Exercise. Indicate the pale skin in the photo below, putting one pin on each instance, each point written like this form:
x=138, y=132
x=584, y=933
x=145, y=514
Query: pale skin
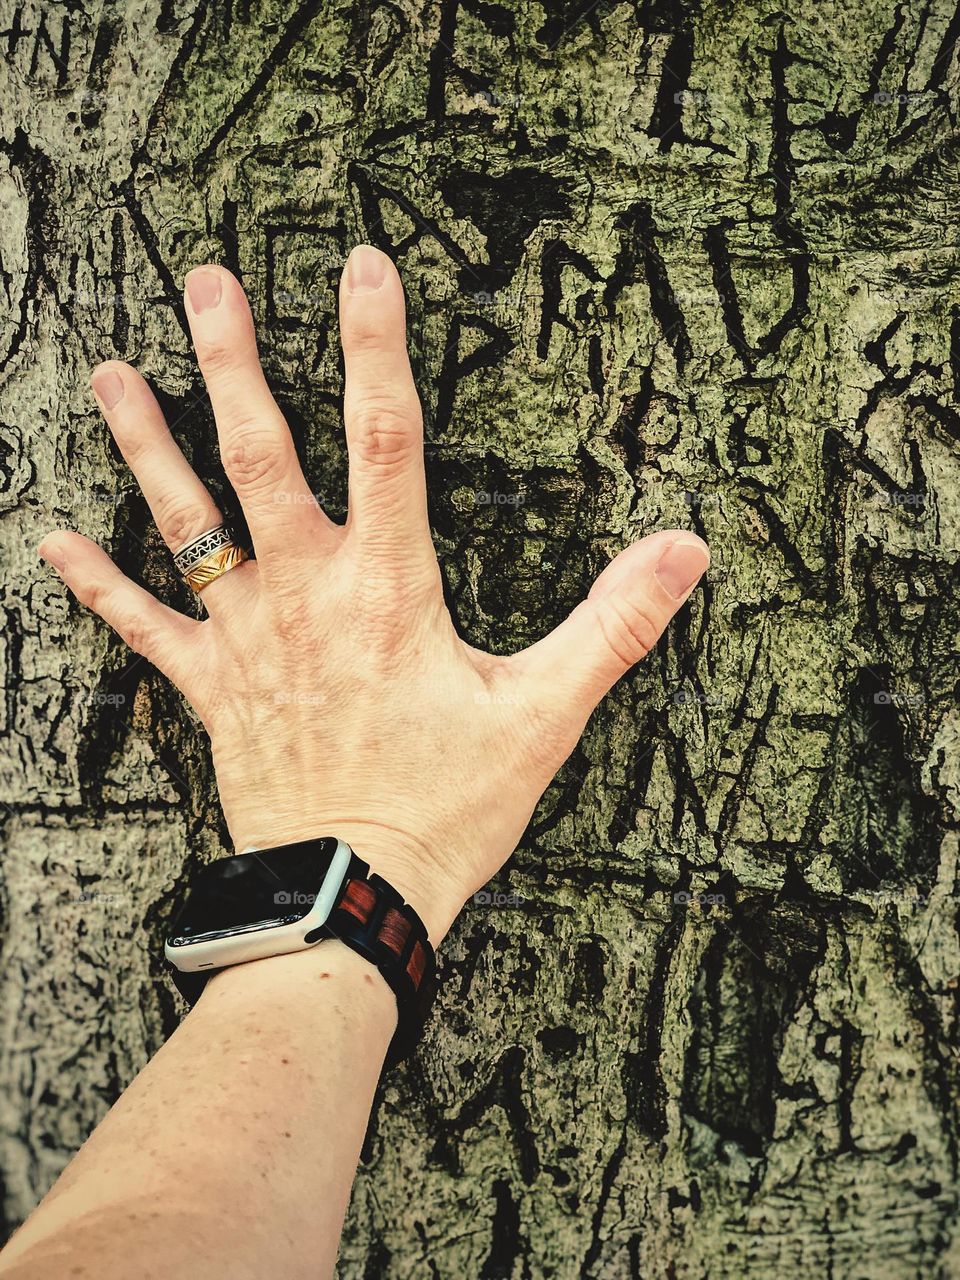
x=339, y=699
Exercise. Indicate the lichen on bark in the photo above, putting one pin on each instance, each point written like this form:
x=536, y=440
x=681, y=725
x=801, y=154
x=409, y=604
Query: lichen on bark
x=686, y=265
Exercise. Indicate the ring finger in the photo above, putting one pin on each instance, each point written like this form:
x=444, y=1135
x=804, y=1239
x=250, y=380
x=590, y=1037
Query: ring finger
x=181, y=506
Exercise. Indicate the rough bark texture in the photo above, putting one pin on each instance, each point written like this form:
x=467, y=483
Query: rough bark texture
x=666, y=264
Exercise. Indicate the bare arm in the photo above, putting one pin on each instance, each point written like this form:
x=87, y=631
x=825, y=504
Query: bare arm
x=232, y=1153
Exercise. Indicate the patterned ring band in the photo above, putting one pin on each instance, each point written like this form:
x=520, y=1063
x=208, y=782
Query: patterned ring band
x=214, y=566
x=196, y=550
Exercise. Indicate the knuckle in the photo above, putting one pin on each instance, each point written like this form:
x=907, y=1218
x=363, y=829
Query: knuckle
x=393, y=618
x=135, y=445
x=385, y=434
x=130, y=627
x=133, y=631
x=216, y=359
x=364, y=332
x=95, y=596
x=180, y=520
x=291, y=624
x=254, y=456
x=629, y=628
x=130, y=624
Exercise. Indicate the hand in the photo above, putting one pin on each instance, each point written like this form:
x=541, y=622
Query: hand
x=338, y=696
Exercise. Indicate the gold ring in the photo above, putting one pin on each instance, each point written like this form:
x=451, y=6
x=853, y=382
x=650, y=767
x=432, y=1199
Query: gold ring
x=214, y=566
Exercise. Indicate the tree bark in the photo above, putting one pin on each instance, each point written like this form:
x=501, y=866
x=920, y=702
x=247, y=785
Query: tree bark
x=666, y=265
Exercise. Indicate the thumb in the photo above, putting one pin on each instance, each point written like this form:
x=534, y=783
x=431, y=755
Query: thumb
x=626, y=612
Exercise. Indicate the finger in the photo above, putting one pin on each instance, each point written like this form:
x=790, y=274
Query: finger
x=163, y=636
x=626, y=612
x=181, y=506
x=256, y=448
x=384, y=425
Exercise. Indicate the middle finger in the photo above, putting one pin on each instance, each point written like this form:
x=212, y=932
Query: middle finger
x=256, y=448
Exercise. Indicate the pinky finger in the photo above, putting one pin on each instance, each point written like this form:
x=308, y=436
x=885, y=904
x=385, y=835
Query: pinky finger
x=163, y=636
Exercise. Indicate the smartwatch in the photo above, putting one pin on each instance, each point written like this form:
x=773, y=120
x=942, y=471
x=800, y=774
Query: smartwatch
x=269, y=902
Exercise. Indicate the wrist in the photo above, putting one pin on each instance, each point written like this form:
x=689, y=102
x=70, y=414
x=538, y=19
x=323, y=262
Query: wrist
x=281, y=978
x=390, y=853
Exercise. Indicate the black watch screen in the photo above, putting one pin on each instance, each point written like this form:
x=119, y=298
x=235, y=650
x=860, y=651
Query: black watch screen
x=253, y=890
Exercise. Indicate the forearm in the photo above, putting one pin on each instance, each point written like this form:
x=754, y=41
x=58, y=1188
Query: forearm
x=237, y=1144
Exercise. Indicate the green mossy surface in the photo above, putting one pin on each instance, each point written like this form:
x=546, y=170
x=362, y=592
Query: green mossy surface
x=666, y=266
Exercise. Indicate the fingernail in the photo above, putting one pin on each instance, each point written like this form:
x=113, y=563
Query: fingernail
x=366, y=269
x=203, y=289
x=53, y=555
x=682, y=565
x=107, y=387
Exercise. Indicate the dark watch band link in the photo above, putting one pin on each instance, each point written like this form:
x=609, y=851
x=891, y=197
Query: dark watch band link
x=372, y=919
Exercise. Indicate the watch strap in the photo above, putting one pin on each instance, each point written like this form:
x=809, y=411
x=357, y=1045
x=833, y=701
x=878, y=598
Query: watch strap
x=372, y=918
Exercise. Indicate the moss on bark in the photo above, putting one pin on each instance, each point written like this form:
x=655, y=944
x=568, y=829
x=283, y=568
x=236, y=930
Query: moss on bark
x=680, y=264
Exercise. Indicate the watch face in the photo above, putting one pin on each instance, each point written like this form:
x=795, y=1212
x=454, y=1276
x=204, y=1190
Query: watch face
x=253, y=890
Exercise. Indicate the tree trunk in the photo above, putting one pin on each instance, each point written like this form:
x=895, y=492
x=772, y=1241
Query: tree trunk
x=666, y=265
